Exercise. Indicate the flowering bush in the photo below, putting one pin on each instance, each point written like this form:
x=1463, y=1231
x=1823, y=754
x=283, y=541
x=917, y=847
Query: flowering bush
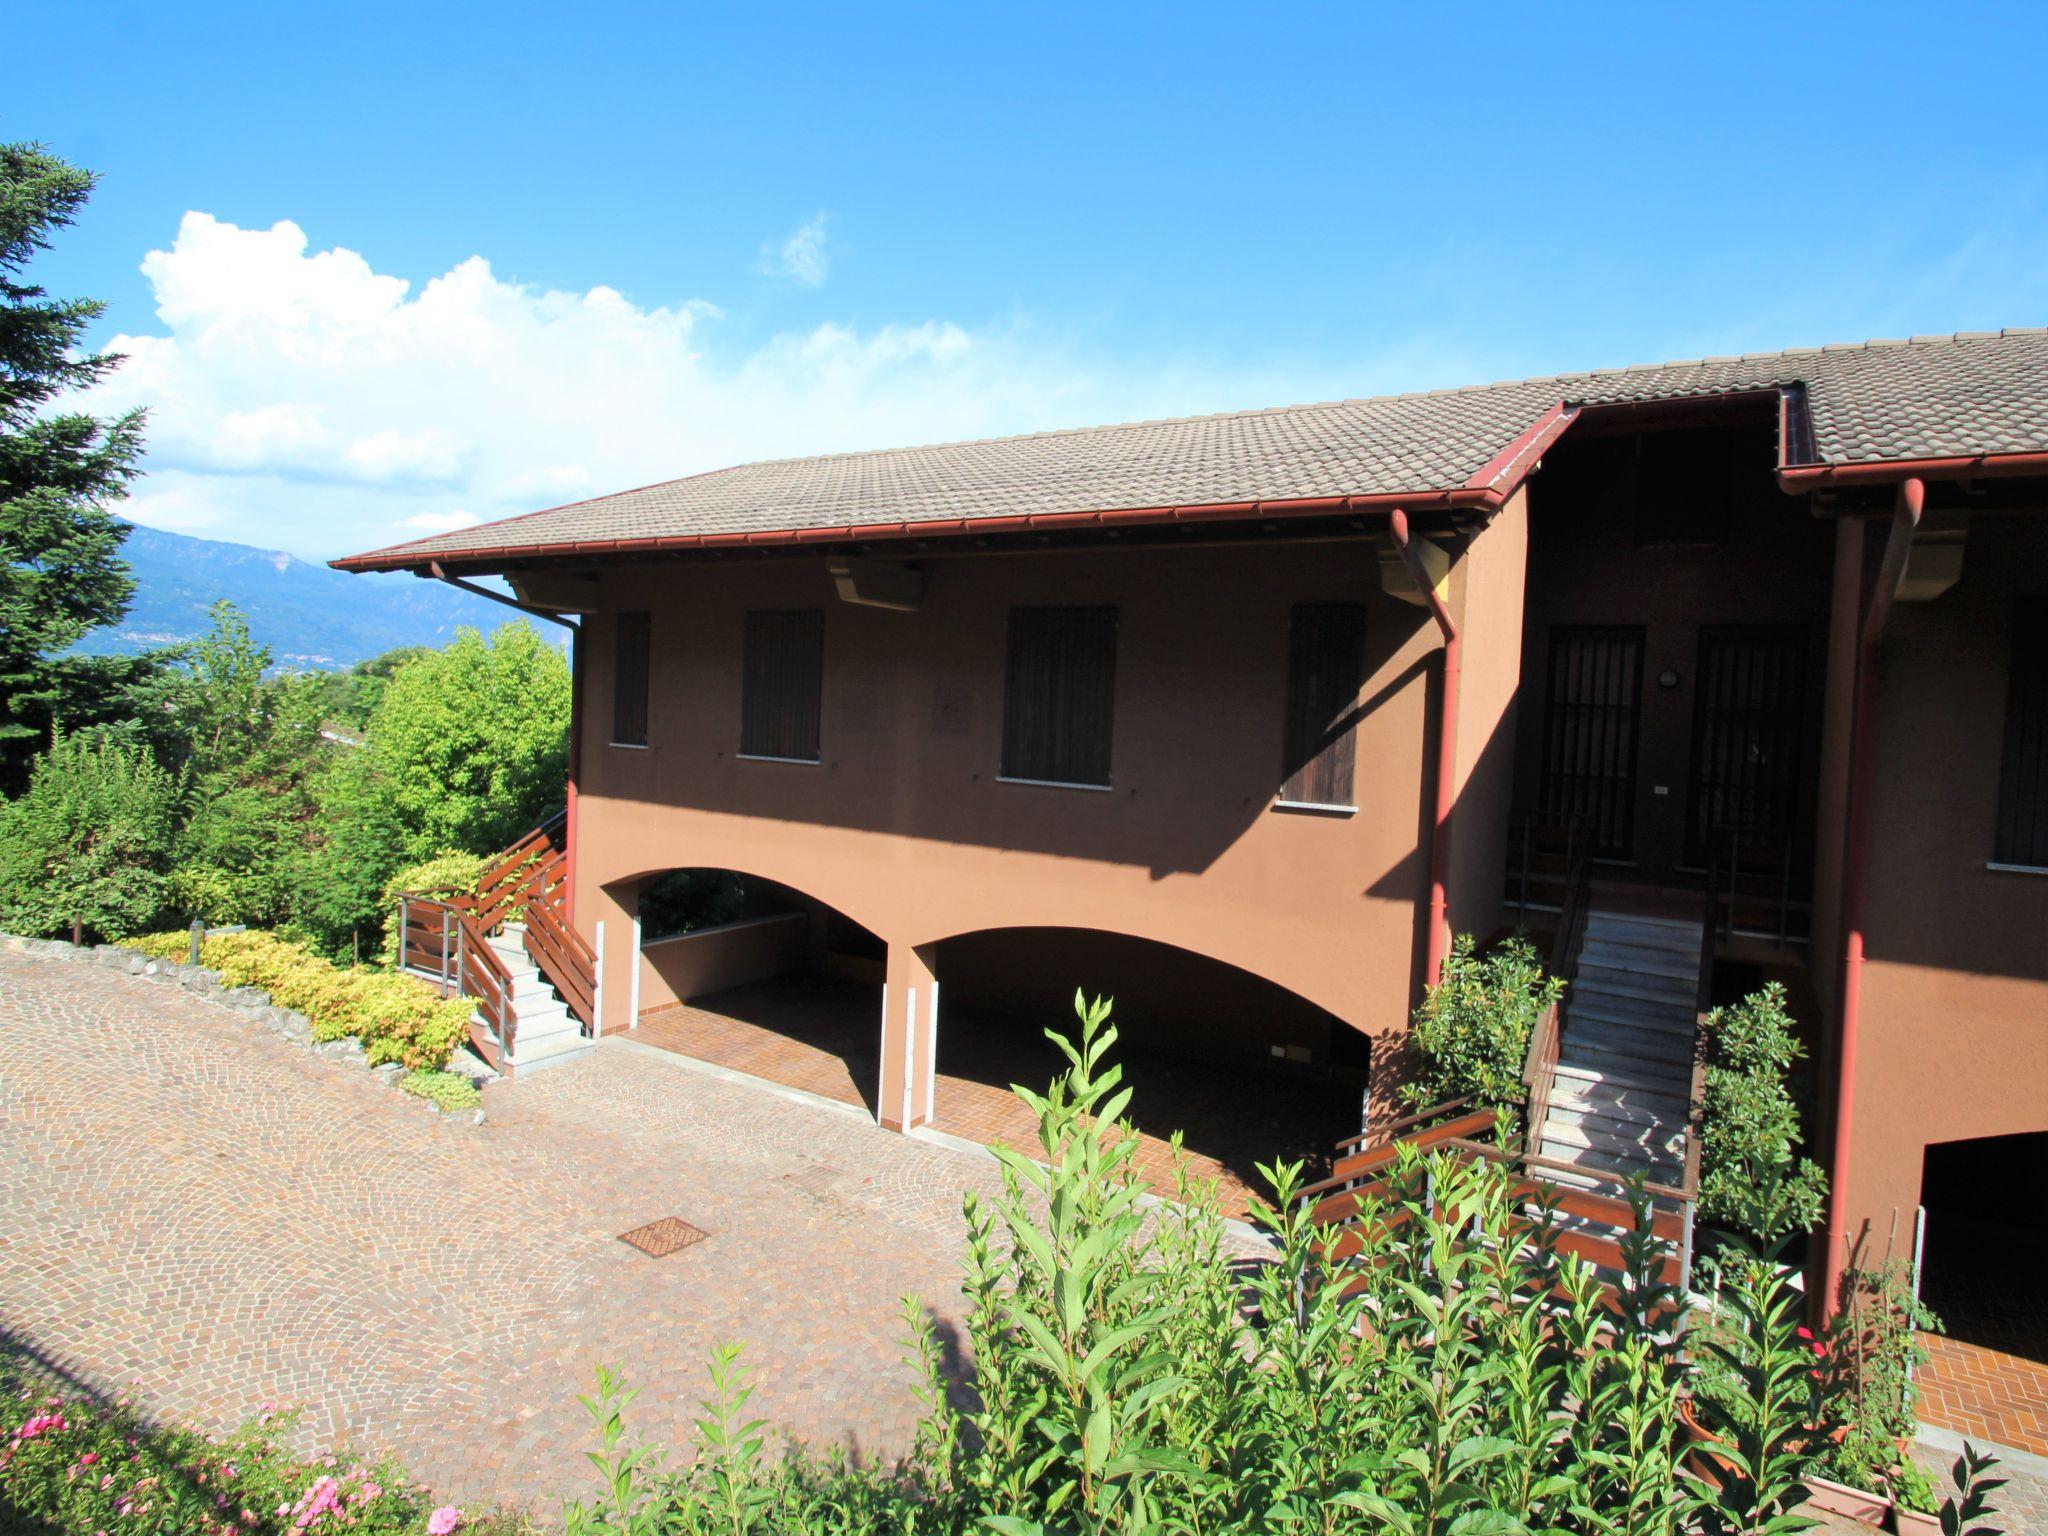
x=72, y=1466
x=398, y=1018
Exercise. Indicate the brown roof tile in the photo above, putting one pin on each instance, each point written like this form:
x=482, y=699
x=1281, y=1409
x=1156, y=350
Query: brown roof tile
x=1931, y=397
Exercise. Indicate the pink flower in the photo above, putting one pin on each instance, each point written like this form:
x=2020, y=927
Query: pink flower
x=88, y=1458
x=443, y=1520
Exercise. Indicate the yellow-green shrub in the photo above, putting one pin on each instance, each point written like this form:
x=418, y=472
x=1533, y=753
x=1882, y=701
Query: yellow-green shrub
x=397, y=1018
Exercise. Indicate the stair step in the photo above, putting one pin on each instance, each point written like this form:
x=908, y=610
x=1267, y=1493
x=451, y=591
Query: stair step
x=528, y=1054
x=1671, y=976
x=1655, y=960
x=1635, y=1106
x=1628, y=1040
x=1647, y=932
x=1598, y=1010
x=1618, y=987
x=1614, y=1115
x=1663, y=1147
x=530, y=984
x=1610, y=1065
x=1574, y=1079
x=1605, y=1162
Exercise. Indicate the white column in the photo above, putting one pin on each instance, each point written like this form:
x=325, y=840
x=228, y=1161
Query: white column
x=597, y=987
x=633, y=983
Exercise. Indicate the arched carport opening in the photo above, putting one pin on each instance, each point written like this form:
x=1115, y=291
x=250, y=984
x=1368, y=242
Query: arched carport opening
x=1245, y=1069
x=1984, y=1245
x=756, y=977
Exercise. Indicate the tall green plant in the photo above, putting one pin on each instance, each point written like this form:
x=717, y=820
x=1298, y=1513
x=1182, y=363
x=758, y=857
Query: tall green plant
x=1751, y=1175
x=1440, y=1366
x=1473, y=1026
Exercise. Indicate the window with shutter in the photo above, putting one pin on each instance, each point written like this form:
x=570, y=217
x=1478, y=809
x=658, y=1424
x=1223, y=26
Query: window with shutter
x=782, y=675
x=2022, y=835
x=629, y=681
x=1325, y=670
x=1059, y=695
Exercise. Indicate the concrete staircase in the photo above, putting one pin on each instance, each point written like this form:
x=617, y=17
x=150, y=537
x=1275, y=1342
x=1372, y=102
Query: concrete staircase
x=547, y=1033
x=1618, y=1104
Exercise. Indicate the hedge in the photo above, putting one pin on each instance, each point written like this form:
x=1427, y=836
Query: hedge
x=397, y=1018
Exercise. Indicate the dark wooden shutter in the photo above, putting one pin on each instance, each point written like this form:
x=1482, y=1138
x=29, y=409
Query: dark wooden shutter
x=629, y=680
x=1325, y=669
x=1749, y=707
x=2023, y=770
x=781, y=677
x=1059, y=695
x=1589, y=732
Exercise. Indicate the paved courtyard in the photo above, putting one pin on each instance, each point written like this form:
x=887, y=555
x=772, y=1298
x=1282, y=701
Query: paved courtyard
x=190, y=1202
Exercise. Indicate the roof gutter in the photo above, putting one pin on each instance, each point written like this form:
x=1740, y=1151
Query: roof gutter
x=1484, y=494
x=1439, y=943
x=1796, y=479
x=1855, y=859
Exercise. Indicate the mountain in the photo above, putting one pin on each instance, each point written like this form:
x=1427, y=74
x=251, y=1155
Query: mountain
x=309, y=616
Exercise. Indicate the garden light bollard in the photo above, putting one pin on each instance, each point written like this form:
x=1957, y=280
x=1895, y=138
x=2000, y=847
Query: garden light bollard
x=198, y=937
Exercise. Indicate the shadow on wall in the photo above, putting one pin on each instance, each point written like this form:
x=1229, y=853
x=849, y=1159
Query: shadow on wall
x=913, y=706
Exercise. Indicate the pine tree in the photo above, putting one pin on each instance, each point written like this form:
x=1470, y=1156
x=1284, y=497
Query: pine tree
x=61, y=573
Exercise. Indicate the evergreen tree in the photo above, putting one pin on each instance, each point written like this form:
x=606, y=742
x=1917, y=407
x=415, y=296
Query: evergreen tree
x=61, y=574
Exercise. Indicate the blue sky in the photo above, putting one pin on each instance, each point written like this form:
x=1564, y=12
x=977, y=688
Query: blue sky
x=637, y=242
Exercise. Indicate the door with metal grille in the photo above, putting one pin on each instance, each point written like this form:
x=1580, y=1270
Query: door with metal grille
x=1749, y=710
x=1590, y=732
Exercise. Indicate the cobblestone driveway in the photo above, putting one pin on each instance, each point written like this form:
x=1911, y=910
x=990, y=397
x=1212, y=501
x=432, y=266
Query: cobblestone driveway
x=188, y=1201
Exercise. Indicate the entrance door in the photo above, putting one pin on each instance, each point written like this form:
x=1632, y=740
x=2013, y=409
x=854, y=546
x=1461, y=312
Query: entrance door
x=1590, y=732
x=1749, y=710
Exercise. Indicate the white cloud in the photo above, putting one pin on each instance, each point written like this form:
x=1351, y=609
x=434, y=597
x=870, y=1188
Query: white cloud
x=441, y=522
x=802, y=257
x=300, y=400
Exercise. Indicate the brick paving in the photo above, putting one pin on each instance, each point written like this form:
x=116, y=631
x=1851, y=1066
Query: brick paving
x=820, y=1034
x=189, y=1202
x=1987, y=1375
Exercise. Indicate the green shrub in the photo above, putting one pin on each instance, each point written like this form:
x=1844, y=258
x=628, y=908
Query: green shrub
x=445, y=874
x=1128, y=1376
x=88, y=842
x=1870, y=1352
x=73, y=1466
x=1750, y=1174
x=1472, y=1030
x=451, y=1090
x=397, y=1018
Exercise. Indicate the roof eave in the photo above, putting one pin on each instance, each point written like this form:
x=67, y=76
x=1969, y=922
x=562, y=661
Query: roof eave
x=1469, y=498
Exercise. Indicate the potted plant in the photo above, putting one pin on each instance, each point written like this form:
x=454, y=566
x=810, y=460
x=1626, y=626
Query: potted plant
x=1868, y=1360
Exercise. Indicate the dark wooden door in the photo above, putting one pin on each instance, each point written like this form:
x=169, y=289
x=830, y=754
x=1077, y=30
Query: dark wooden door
x=1748, y=723
x=1591, y=730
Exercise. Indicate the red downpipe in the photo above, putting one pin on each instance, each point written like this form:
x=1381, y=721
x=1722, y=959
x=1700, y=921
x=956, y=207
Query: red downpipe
x=575, y=770
x=1446, y=753
x=1855, y=859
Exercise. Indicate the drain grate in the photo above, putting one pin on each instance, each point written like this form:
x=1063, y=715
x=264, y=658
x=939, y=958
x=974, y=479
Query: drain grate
x=659, y=1239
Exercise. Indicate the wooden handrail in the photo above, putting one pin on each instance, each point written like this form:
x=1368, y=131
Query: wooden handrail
x=452, y=945
x=1395, y=1127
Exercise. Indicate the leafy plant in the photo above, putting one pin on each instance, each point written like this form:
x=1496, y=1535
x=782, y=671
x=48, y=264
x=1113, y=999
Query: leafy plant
x=1972, y=1498
x=1472, y=1029
x=1751, y=1176
x=89, y=842
x=397, y=1018
x=1872, y=1349
x=451, y=1090
x=1436, y=1367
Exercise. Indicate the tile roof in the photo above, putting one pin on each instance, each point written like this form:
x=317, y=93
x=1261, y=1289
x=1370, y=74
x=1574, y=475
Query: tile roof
x=1929, y=397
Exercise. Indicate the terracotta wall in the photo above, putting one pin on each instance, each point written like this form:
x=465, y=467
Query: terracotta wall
x=730, y=955
x=904, y=828
x=1954, y=1038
